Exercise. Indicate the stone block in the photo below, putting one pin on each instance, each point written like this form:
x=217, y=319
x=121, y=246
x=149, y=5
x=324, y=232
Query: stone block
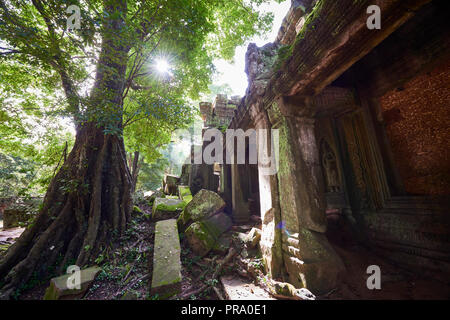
x=204, y=235
x=204, y=204
x=238, y=289
x=58, y=289
x=157, y=194
x=21, y=213
x=166, y=280
x=170, y=184
x=185, y=194
x=253, y=237
x=167, y=208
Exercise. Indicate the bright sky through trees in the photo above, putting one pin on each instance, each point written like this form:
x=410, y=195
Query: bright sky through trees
x=162, y=66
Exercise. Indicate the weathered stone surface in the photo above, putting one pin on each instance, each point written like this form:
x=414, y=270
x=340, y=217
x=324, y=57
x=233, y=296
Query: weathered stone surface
x=285, y=289
x=238, y=289
x=167, y=208
x=185, y=172
x=199, y=239
x=204, y=204
x=58, y=289
x=253, y=237
x=223, y=244
x=218, y=224
x=204, y=235
x=166, y=280
x=170, y=184
x=10, y=234
x=202, y=177
x=154, y=195
x=185, y=193
x=312, y=263
x=20, y=213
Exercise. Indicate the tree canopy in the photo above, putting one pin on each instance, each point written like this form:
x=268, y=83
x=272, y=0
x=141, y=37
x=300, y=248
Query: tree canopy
x=47, y=71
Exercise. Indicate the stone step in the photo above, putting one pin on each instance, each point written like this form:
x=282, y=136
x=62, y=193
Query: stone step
x=166, y=280
x=59, y=290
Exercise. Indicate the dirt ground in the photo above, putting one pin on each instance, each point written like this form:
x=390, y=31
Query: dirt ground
x=127, y=268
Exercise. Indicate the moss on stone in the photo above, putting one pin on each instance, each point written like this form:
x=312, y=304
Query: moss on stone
x=171, y=207
x=136, y=209
x=185, y=193
x=285, y=52
x=167, y=208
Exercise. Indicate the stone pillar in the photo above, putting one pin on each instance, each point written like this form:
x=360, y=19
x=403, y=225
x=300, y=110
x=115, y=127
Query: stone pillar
x=241, y=213
x=227, y=187
x=309, y=259
x=270, y=242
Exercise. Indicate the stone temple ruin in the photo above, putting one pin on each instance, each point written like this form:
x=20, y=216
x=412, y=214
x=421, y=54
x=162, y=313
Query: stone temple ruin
x=362, y=116
x=363, y=145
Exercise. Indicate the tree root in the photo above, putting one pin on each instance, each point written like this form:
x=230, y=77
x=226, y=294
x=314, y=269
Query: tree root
x=231, y=253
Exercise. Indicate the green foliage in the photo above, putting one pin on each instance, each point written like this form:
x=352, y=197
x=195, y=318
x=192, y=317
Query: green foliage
x=47, y=73
x=151, y=175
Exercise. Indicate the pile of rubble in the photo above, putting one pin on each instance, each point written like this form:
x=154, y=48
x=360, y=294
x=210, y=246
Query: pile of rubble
x=209, y=232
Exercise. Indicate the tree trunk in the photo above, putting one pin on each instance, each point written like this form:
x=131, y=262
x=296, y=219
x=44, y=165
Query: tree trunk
x=135, y=167
x=88, y=198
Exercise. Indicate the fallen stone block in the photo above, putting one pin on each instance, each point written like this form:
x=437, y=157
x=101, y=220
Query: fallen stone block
x=204, y=204
x=199, y=239
x=166, y=280
x=58, y=289
x=253, y=238
x=167, y=208
x=170, y=184
x=157, y=194
x=185, y=170
x=284, y=290
x=204, y=235
x=20, y=213
x=223, y=244
x=185, y=193
x=238, y=289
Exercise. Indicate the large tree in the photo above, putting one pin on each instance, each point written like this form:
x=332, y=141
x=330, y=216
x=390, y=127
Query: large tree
x=105, y=72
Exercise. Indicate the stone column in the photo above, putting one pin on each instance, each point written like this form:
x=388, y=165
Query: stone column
x=240, y=209
x=309, y=259
x=270, y=242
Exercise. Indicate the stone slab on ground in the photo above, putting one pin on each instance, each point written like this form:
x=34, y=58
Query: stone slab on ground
x=11, y=234
x=166, y=279
x=238, y=289
x=164, y=208
x=58, y=289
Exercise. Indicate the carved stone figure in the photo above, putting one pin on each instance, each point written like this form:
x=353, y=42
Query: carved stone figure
x=329, y=167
